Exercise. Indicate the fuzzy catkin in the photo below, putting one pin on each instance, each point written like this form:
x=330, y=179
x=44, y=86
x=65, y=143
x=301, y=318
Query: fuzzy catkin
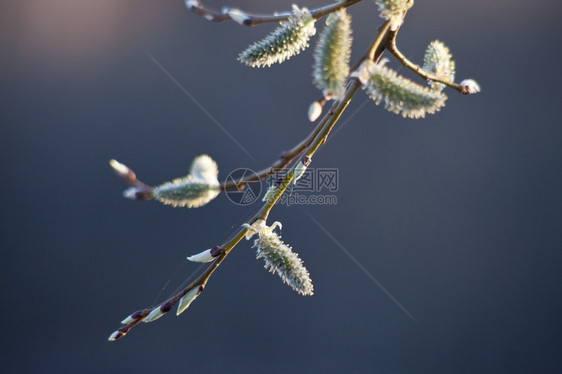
x=331, y=55
x=288, y=40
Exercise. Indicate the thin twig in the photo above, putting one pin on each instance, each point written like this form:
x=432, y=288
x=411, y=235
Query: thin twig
x=284, y=160
x=393, y=49
x=256, y=19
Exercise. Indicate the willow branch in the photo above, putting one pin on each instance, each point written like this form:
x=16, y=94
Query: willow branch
x=318, y=137
x=327, y=124
x=256, y=19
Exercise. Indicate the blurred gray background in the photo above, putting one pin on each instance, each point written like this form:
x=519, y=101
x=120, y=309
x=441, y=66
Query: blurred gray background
x=458, y=215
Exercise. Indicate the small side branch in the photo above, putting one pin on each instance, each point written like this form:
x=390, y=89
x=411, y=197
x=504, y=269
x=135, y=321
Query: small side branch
x=281, y=164
x=256, y=19
x=142, y=191
x=393, y=49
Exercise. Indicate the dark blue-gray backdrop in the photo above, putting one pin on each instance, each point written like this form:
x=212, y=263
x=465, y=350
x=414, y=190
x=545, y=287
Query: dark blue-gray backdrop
x=458, y=215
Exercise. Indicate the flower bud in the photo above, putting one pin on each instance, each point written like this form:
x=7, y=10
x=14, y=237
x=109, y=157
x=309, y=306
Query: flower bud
x=208, y=255
x=154, y=315
x=115, y=335
x=238, y=16
x=131, y=193
x=314, y=111
x=120, y=169
x=188, y=298
x=192, y=4
x=204, y=256
x=470, y=86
